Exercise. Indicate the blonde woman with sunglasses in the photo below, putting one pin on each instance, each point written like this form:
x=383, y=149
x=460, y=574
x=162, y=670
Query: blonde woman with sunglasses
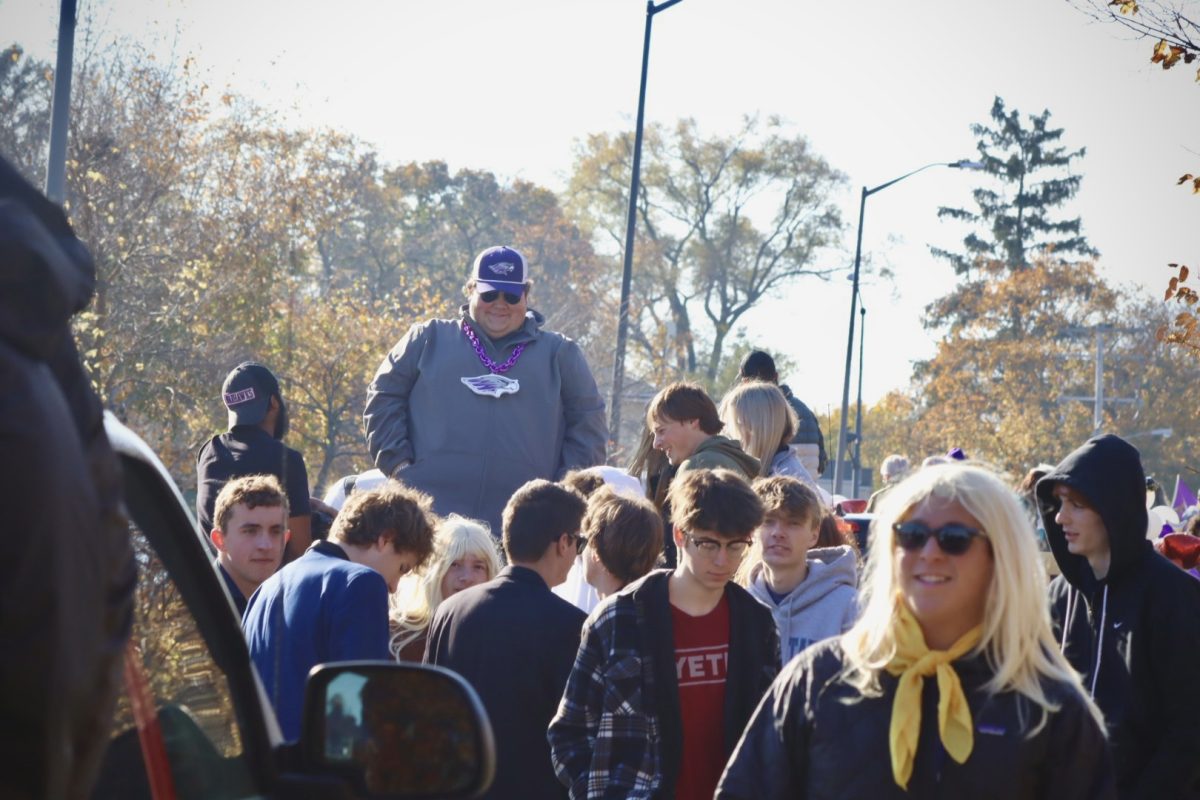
x=949, y=685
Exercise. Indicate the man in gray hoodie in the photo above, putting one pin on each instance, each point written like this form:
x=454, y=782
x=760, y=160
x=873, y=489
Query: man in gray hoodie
x=811, y=592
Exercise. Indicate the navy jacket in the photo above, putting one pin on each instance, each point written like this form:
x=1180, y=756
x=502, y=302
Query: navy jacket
x=514, y=641
x=322, y=607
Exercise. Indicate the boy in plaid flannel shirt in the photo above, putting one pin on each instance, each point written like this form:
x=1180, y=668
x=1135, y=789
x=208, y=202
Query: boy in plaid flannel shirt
x=670, y=669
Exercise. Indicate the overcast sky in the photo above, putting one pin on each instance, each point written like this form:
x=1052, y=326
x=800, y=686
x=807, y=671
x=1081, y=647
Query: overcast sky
x=879, y=87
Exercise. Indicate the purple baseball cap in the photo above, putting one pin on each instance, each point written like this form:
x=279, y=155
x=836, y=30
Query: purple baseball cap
x=500, y=269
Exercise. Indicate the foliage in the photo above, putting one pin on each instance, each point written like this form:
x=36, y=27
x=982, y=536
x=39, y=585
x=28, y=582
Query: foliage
x=1177, y=32
x=219, y=235
x=25, y=89
x=1011, y=381
x=1026, y=159
x=721, y=221
x=1182, y=330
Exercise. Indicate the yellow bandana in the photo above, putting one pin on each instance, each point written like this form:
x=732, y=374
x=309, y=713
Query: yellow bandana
x=914, y=662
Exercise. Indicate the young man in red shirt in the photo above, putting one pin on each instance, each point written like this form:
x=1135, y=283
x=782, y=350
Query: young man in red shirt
x=671, y=667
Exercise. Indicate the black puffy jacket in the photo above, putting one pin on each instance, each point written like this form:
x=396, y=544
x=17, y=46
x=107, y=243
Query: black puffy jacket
x=1135, y=635
x=66, y=566
x=814, y=737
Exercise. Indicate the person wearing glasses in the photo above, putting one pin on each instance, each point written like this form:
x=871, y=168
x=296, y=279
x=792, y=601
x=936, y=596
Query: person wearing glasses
x=671, y=667
x=949, y=685
x=469, y=409
x=514, y=640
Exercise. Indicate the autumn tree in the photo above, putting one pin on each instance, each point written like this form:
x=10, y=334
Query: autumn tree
x=1014, y=222
x=722, y=222
x=25, y=90
x=1016, y=347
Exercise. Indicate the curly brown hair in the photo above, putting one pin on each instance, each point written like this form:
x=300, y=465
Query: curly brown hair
x=392, y=509
x=251, y=491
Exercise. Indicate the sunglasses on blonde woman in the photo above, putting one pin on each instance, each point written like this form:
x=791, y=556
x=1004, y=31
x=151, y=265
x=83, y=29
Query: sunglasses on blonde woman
x=953, y=539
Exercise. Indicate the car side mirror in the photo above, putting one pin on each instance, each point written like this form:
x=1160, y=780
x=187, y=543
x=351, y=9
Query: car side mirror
x=398, y=730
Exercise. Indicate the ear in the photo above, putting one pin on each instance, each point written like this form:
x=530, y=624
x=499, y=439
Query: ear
x=816, y=534
x=273, y=403
x=217, y=538
x=677, y=535
x=287, y=535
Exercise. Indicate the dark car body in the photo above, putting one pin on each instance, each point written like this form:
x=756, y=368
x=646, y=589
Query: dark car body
x=193, y=720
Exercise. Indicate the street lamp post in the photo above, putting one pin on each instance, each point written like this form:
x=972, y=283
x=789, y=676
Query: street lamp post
x=60, y=105
x=618, y=381
x=858, y=416
x=862, y=206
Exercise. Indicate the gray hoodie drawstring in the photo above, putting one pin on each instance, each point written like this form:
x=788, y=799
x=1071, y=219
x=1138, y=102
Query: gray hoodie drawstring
x=1072, y=595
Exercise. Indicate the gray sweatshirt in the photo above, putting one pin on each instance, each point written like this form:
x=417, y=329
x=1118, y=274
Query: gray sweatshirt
x=825, y=603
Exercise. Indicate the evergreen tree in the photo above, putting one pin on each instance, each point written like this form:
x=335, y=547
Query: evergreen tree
x=1016, y=220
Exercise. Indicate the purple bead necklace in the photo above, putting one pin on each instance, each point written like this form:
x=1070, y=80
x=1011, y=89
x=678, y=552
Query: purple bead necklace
x=483, y=356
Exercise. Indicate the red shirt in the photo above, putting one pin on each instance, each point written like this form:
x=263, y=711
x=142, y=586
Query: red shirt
x=701, y=664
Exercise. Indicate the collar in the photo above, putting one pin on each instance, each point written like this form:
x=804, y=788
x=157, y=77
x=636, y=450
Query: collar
x=328, y=548
x=523, y=575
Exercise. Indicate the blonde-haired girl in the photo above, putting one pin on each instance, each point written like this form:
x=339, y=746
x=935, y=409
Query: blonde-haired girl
x=950, y=684
x=464, y=554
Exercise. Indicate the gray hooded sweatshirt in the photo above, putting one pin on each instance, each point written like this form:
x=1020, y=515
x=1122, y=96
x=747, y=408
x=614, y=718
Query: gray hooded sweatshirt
x=825, y=603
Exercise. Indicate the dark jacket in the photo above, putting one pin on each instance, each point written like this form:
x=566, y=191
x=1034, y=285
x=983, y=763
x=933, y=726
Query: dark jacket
x=514, y=641
x=617, y=733
x=814, y=737
x=321, y=607
x=67, y=573
x=248, y=450
x=808, y=429
x=1134, y=634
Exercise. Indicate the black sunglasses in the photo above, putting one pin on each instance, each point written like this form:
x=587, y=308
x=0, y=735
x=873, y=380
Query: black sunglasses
x=509, y=297
x=954, y=539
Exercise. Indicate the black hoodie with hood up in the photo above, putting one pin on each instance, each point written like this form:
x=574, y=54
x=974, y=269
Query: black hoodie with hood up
x=1135, y=633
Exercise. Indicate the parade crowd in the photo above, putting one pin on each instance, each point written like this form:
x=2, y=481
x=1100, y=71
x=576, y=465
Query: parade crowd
x=701, y=623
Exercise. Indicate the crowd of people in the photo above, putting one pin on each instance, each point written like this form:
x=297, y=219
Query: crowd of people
x=701, y=623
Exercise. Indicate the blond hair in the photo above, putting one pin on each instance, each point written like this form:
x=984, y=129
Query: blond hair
x=411, y=611
x=758, y=415
x=1017, y=641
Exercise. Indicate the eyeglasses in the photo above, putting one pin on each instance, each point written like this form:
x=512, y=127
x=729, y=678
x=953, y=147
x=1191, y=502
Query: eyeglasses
x=954, y=539
x=509, y=297
x=710, y=547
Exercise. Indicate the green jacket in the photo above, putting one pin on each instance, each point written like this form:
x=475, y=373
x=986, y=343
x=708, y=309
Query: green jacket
x=721, y=452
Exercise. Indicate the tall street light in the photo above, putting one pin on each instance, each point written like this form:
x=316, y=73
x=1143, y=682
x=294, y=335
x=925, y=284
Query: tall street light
x=858, y=415
x=618, y=381
x=60, y=105
x=862, y=206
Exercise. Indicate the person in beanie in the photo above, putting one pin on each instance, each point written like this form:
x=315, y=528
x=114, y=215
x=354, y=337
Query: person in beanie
x=258, y=421
x=470, y=409
x=1126, y=617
